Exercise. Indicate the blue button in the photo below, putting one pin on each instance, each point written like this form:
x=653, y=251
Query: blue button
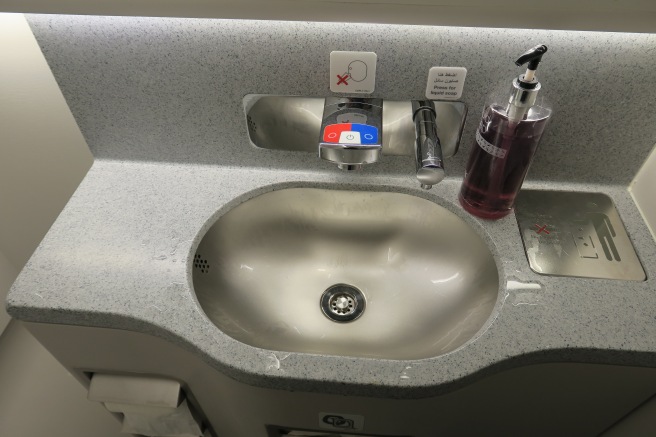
x=368, y=134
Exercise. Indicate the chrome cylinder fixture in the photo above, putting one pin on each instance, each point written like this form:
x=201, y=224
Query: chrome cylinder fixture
x=428, y=149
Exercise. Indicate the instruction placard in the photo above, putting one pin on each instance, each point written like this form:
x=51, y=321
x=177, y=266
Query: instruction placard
x=445, y=83
x=353, y=72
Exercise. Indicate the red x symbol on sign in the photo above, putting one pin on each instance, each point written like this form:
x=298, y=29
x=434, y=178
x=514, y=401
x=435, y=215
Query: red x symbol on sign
x=342, y=79
x=542, y=229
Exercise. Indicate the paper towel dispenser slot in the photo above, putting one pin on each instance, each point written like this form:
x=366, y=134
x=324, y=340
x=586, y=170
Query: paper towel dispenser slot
x=150, y=406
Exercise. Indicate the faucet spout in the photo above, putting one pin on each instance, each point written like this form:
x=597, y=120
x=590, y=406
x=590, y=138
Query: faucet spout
x=428, y=149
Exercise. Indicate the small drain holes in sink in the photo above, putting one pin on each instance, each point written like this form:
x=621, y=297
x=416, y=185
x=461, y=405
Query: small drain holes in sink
x=201, y=264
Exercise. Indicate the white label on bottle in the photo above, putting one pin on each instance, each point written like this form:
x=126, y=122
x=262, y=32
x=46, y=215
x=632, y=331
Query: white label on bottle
x=489, y=147
x=445, y=83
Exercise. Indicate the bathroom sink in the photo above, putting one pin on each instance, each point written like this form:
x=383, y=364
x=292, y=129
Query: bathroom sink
x=362, y=274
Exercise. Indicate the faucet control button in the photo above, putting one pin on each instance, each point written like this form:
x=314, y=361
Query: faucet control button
x=368, y=133
x=350, y=137
x=350, y=133
x=332, y=133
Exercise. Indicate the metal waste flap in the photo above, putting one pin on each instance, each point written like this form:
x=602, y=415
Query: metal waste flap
x=575, y=234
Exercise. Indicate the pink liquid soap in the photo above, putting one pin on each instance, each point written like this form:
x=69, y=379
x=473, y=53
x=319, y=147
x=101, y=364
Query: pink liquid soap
x=501, y=156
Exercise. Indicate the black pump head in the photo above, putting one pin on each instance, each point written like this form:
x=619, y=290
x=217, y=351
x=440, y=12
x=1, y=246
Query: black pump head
x=533, y=57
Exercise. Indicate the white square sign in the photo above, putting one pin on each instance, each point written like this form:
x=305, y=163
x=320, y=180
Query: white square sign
x=445, y=83
x=353, y=72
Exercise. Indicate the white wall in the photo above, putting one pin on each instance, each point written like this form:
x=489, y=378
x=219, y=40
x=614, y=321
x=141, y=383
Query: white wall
x=43, y=156
x=643, y=190
x=604, y=15
x=8, y=273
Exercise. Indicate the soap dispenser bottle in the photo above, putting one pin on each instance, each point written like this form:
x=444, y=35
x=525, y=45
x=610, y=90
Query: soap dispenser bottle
x=506, y=140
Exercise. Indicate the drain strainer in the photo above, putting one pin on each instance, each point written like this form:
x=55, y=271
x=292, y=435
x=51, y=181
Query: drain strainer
x=342, y=303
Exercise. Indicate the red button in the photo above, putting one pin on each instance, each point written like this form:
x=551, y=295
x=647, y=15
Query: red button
x=332, y=132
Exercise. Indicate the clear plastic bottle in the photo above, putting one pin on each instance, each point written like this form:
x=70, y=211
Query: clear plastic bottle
x=506, y=140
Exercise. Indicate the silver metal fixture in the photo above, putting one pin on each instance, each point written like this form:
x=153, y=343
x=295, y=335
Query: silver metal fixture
x=428, y=149
x=575, y=234
x=295, y=124
x=342, y=303
x=349, y=149
x=430, y=285
x=525, y=88
x=521, y=99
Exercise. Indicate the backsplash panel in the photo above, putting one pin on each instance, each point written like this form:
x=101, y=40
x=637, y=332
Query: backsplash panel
x=167, y=89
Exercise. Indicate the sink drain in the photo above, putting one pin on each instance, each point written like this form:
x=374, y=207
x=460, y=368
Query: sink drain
x=342, y=303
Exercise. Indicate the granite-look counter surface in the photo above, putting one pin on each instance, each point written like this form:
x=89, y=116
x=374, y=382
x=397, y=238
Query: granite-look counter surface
x=120, y=256
x=171, y=89
x=160, y=103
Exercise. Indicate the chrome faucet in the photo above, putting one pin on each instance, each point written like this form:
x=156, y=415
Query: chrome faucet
x=351, y=131
x=428, y=148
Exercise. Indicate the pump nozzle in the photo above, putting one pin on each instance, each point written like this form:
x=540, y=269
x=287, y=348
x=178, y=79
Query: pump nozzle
x=525, y=88
x=533, y=57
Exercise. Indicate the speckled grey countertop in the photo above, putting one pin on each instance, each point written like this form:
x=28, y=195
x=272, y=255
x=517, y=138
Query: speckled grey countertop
x=120, y=256
x=159, y=102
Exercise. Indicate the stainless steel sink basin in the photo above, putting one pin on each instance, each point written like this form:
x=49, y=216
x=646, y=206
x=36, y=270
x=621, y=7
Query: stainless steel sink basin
x=427, y=281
